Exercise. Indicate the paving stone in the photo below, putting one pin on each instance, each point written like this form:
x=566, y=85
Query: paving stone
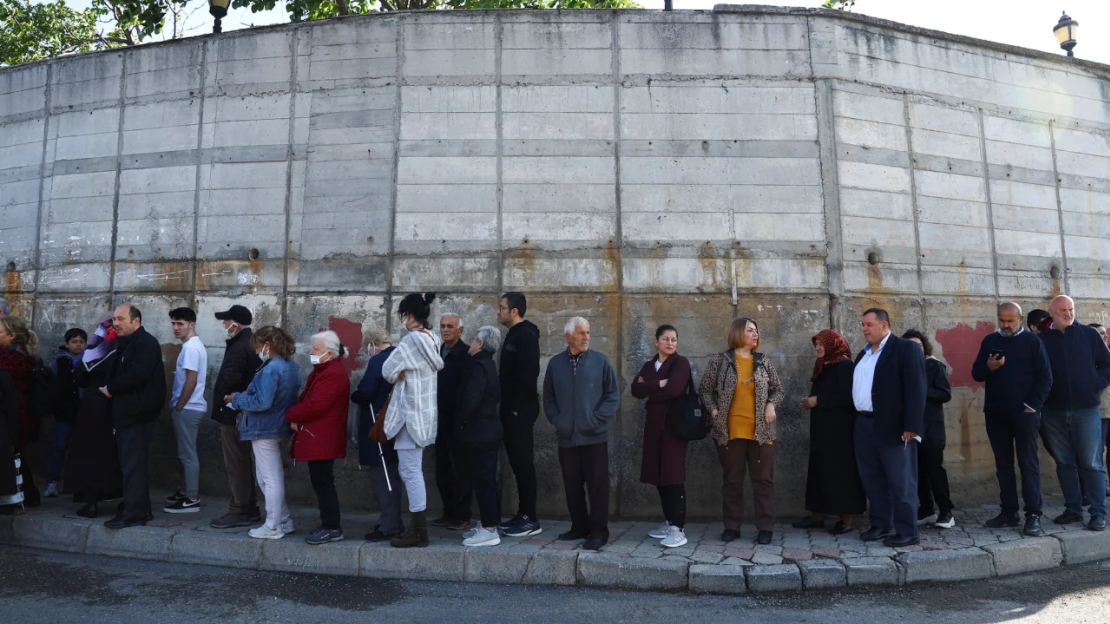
x=1084, y=546
x=710, y=548
x=621, y=548
x=822, y=574
x=742, y=553
x=552, y=567
x=870, y=571
x=563, y=545
x=736, y=561
x=491, y=565
x=607, y=570
x=829, y=553
x=681, y=551
x=768, y=548
x=946, y=565
x=702, y=556
x=796, y=554
x=1026, y=555
x=50, y=533
x=291, y=554
x=231, y=550
x=762, y=558
x=774, y=578
x=717, y=579
x=138, y=542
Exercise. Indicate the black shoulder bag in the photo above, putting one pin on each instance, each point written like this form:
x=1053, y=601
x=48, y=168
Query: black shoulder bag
x=687, y=420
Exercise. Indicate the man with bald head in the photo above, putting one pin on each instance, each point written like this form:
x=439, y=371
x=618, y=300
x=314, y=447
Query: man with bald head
x=1071, y=425
x=1013, y=364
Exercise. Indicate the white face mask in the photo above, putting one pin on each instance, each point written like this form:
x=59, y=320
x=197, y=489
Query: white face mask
x=315, y=359
x=265, y=355
x=232, y=330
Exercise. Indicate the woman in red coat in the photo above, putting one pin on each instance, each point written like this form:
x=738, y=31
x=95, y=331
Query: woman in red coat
x=662, y=380
x=319, y=422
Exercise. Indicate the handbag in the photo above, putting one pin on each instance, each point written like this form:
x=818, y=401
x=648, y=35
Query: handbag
x=687, y=420
x=377, y=431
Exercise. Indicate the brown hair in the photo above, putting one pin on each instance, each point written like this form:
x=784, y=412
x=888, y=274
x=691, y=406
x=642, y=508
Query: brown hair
x=23, y=339
x=282, y=344
x=737, y=336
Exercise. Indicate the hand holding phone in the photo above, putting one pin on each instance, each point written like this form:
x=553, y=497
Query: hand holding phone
x=995, y=360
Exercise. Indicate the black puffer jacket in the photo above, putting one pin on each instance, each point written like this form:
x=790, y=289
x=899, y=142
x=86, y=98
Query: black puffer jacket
x=236, y=373
x=476, y=418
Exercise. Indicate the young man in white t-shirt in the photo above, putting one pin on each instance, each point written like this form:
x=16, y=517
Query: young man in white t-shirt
x=188, y=408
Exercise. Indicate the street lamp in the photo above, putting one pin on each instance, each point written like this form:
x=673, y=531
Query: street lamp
x=218, y=9
x=1065, y=32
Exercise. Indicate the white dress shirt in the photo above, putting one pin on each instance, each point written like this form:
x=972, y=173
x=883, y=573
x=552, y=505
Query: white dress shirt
x=864, y=374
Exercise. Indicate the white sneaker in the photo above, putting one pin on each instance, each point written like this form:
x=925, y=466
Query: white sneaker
x=660, y=531
x=287, y=527
x=675, y=537
x=483, y=537
x=265, y=532
x=51, y=490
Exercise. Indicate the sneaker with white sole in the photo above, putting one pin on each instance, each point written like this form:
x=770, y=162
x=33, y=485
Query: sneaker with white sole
x=483, y=537
x=287, y=527
x=945, y=521
x=185, y=505
x=176, y=496
x=265, y=532
x=927, y=519
x=660, y=531
x=675, y=537
x=469, y=533
x=51, y=490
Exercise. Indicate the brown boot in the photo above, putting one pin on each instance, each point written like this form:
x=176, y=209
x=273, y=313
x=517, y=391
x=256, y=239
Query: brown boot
x=416, y=535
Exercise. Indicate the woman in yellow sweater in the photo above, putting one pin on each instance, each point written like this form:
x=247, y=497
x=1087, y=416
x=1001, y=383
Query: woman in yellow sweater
x=741, y=389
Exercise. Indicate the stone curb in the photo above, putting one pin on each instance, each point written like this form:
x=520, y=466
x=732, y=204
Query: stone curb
x=525, y=564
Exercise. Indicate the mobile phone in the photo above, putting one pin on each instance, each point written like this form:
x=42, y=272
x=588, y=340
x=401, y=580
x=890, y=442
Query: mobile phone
x=996, y=353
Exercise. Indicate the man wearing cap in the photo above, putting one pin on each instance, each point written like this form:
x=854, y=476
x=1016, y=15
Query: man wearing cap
x=236, y=372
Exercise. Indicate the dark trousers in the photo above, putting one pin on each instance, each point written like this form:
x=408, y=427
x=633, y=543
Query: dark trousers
x=387, y=489
x=239, y=464
x=133, y=447
x=452, y=476
x=673, y=498
x=1008, y=433
x=323, y=483
x=932, y=481
x=31, y=495
x=62, y=432
x=748, y=456
x=520, y=449
x=1106, y=447
x=888, y=469
x=482, y=466
x=587, y=468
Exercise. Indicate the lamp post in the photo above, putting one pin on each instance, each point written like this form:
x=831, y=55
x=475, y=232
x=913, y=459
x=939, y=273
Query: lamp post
x=1065, y=31
x=218, y=9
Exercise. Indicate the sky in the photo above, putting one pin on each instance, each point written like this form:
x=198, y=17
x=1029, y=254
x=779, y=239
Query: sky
x=1025, y=23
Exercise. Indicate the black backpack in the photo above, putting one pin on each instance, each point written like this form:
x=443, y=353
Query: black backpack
x=44, y=385
x=687, y=419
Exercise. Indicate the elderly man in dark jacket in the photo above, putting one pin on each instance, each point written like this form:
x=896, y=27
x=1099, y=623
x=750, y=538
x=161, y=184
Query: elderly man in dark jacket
x=236, y=373
x=478, y=430
x=452, y=479
x=137, y=387
x=580, y=398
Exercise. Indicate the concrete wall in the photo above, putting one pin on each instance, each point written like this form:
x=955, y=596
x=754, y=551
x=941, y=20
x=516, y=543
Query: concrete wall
x=633, y=167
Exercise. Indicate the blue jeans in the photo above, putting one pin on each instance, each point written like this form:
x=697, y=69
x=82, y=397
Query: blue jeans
x=62, y=431
x=1074, y=438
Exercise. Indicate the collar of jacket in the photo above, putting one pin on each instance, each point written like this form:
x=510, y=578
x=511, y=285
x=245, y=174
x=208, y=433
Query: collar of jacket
x=482, y=355
x=730, y=355
x=317, y=368
x=245, y=330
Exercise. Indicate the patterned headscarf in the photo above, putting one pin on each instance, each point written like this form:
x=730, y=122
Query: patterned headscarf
x=836, y=351
x=102, y=344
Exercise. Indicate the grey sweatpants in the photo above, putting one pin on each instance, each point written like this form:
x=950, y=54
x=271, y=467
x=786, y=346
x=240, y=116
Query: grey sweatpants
x=185, y=428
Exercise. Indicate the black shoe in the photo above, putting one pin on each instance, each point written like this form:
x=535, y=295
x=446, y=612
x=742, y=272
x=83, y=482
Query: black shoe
x=593, y=543
x=510, y=522
x=231, y=521
x=457, y=525
x=840, y=528
x=119, y=522
x=729, y=535
x=1003, y=520
x=441, y=521
x=763, y=537
x=875, y=534
x=88, y=511
x=809, y=523
x=573, y=536
x=1068, y=517
x=176, y=496
x=323, y=536
x=945, y=520
x=185, y=505
x=1033, y=526
x=898, y=541
x=1097, y=523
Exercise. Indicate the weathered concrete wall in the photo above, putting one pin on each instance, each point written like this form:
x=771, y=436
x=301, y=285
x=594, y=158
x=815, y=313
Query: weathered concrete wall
x=633, y=167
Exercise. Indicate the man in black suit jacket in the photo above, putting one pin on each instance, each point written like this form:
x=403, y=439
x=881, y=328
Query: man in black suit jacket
x=137, y=387
x=889, y=391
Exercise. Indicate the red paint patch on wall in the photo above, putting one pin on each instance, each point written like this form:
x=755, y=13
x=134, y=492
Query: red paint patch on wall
x=350, y=334
x=961, y=345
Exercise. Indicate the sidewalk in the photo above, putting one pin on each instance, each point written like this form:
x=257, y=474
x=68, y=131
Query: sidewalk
x=796, y=560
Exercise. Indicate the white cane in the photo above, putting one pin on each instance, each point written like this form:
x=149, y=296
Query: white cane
x=381, y=451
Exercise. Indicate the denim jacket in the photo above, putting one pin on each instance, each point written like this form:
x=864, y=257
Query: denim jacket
x=273, y=390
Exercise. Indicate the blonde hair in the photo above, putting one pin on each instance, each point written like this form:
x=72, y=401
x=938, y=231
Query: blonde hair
x=281, y=343
x=738, y=335
x=23, y=339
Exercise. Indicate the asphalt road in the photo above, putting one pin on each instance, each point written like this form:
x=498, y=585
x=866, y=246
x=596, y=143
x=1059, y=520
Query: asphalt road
x=38, y=586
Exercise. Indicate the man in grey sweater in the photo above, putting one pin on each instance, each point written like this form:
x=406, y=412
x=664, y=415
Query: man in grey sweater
x=580, y=397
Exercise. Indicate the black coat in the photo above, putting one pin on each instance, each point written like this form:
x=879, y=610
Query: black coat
x=1080, y=366
x=938, y=393
x=137, y=381
x=477, y=421
x=447, y=384
x=236, y=373
x=833, y=485
x=92, y=464
x=370, y=396
x=9, y=434
x=520, y=370
x=898, y=389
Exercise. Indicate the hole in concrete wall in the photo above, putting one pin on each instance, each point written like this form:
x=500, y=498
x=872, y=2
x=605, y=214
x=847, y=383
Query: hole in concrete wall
x=1054, y=272
x=252, y=255
x=11, y=266
x=872, y=258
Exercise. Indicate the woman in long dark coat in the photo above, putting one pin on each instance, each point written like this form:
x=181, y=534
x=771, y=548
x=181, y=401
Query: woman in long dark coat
x=92, y=468
x=833, y=486
x=662, y=380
